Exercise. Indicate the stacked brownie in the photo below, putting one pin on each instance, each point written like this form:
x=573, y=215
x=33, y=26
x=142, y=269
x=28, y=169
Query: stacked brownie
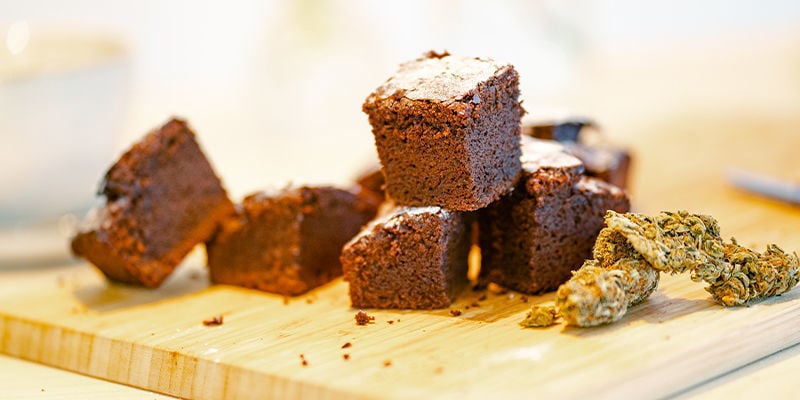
x=448, y=134
x=602, y=159
x=531, y=240
x=413, y=257
x=447, y=131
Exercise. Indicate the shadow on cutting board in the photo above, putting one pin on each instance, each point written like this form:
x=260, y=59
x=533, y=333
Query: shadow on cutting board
x=109, y=296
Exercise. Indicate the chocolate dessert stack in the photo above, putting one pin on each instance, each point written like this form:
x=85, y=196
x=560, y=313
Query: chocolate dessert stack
x=447, y=132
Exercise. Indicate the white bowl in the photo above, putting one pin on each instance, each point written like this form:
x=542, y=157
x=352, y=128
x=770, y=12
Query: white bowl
x=63, y=99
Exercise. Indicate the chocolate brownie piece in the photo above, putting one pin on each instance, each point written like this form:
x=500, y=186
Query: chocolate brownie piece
x=369, y=186
x=411, y=258
x=372, y=180
x=161, y=199
x=560, y=130
x=601, y=159
x=532, y=239
x=287, y=243
x=447, y=131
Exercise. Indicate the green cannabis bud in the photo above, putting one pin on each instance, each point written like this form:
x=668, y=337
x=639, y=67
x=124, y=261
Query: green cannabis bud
x=751, y=276
x=613, y=252
x=674, y=242
x=539, y=317
x=633, y=248
x=593, y=296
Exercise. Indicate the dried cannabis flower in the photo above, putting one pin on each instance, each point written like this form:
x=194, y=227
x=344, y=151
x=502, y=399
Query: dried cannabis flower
x=749, y=276
x=633, y=248
x=540, y=317
x=593, y=296
x=671, y=242
x=681, y=242
x=613, y=252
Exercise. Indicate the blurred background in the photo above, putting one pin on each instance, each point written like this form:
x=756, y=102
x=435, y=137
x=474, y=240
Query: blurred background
x=274, y=88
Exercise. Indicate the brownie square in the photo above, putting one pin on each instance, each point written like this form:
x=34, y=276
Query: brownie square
x=532, y=239
x=161, y=199
x=447, y=131
x=411, y=258
x=369, y=185
x=600, y=159
x=603, y=161
x=290, y=242
x=560, y=130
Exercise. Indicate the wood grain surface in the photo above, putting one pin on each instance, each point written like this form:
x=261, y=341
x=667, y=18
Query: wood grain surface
x=71, y=318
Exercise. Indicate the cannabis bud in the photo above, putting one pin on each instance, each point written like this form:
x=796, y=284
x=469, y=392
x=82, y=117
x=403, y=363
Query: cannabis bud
x=633, y=248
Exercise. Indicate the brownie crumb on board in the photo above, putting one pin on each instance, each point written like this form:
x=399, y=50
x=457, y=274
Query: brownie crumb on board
x=214, y=321
x=347, y=345
x=455, y=312
x=362, y=318
x=346, y=356
x=303, y=360
x=387, y=363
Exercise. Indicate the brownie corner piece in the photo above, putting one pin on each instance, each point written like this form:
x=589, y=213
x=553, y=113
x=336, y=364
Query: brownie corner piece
x=447, y=131
x=411, y=258
x=287, y=242
x=162, y=198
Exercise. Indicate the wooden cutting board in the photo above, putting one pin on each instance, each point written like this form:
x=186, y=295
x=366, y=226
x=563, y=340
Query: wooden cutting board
x=71, y=318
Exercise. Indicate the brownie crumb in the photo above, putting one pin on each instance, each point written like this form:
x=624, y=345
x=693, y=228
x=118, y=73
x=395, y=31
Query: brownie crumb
x=387, y=363
x=391, y=321
x=347, y=345
x=303, y=360
x=483, y=297
x=455, y=313
x=213, y=321
x=346, y=356
x=309, y=301
x=475, y=304
x=362, y=318
x=466, y=307
x=436, y=54
x=286, y=300
x=523, y=298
